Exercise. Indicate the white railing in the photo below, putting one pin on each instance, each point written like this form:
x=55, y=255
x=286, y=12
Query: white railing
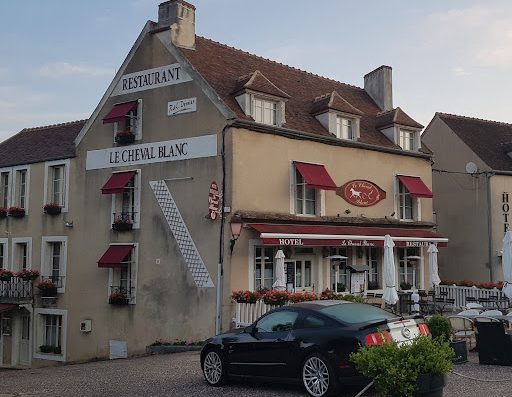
x=247, y=313
x=461, y=293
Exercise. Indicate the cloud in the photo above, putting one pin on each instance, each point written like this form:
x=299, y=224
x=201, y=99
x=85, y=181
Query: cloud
x=62, y=69
x=458, y=71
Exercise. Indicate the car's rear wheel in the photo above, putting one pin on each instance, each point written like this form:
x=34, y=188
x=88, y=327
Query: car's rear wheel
x=318, y=376
x=214, y=369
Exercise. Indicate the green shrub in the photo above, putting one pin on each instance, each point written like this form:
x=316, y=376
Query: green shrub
x=396, y=368
x=439, y=327
x=351, y=298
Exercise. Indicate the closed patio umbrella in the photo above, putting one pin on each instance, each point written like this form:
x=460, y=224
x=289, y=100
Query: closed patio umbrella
x=432, y=262
x=390, y=295
x=506, y=262
x=280, y=283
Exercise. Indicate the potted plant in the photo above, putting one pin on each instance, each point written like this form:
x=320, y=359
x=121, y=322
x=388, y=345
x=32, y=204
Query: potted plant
x=118, y=298
x=52, y=209
x=245, y=296
x=440, y=328
x=3, y=212
x=416, y=369
x=404, y=285
x=5, y=275
x=50, y=349
x=47, y=288
x=27, y=274
x=16, y=212
x=125, y=137
x=122, y=225
x=276, y=298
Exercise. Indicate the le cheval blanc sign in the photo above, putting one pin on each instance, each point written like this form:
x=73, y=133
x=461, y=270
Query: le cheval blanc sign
x=361, y=193
x=151, y=78
x=155, y=152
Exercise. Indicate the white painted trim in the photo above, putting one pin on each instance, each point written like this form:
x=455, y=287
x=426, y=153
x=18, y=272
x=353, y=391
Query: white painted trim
x=350, y=237
x=66, y=163
x=15, y=241
x=5, y=264
x=292, y=187
x=10, y=188
x=45, y=270
x=39, y=330
x=250, y=257
x=14, y=200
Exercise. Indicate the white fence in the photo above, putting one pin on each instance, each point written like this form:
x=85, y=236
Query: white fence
x=247, y=313
x=460, y=293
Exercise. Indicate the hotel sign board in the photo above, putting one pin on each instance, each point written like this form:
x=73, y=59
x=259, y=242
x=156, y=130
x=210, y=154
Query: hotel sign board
x=336, y=242
x=151, y=78
x=155, y=152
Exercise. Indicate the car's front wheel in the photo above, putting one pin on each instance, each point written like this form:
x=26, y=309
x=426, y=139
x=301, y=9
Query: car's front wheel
x=214, y=369
x=318, y=376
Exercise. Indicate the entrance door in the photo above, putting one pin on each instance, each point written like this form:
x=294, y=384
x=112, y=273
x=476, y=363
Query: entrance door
x=304, y=275
x=25, y=340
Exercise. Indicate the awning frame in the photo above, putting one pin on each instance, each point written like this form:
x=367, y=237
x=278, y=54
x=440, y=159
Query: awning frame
x=327, y=183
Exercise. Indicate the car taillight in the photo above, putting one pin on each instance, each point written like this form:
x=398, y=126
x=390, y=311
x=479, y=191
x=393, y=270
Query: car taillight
x=377, y=338
x=423, y=329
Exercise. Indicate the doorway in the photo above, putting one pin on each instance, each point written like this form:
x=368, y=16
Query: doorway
x=299, y=275
x=25, y=340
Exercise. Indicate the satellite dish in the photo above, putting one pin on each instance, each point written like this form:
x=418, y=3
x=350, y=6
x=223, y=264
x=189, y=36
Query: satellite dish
x=471, y=168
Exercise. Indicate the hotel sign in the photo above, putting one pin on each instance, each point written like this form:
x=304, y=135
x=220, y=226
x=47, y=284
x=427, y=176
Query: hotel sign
x=336, y=242
x=151, y=78
x=155, y=152
x=361, y=193
x=181, y=106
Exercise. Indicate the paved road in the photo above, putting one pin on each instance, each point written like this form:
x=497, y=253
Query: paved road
x=180, y=375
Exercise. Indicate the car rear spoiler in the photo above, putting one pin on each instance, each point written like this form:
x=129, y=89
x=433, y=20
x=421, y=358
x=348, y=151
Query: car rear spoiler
x=385, y=321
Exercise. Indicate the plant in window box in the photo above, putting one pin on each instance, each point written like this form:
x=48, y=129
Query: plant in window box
x=27, y=274
x=46, y=349
x=405, y=285
x=245, y=296
x=122, y=225
x=3, y=212
x=47, y=288
x=52, y=209
x=276, y=298
x=5, y=275
x=125, y=137
x=118, y=298
x=16, y=212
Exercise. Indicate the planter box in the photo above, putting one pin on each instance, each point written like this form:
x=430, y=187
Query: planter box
x=17, y=214
x=122, y=227
x=125, y=138
x=48, y=292
x=53, y=210
x=461, y=352
x=3, y=214
x=118, y=301
x=430, y=385
x=169, y=349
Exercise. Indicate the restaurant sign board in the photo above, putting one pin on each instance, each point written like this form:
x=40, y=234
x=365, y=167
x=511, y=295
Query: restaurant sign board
x=214, y=201
x=181, y=106
x=341, y=242
x=361, y=193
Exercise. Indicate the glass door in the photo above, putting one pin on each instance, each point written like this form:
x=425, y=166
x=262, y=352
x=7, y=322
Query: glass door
x=304, y=275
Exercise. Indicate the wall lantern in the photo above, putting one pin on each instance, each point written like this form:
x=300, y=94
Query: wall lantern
x=236, y=228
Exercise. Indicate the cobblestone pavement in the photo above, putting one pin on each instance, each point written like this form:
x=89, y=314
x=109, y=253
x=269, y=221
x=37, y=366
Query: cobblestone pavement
x=180, y=375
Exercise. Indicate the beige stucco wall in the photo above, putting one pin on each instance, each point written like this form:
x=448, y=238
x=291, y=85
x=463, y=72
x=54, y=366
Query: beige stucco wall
x=460, y=202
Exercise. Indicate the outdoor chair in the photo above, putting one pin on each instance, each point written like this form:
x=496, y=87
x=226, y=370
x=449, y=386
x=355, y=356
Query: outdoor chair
x=473, y=305
x=469, y=312
x=494, y=345
x=463, y=329
x=442, y=303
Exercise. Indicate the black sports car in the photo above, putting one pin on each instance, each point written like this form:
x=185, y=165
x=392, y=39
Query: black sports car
x=310, y=341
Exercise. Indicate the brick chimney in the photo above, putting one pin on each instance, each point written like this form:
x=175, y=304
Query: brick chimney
x=379, y=85
x=180, y=17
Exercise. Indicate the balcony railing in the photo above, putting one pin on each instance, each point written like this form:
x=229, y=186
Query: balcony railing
x=15, y=290
x=120, y=295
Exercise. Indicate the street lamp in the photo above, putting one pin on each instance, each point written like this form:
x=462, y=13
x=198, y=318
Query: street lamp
x=236, y=228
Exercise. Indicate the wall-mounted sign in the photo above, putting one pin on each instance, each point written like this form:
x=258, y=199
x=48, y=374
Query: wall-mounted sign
x=505, y=207
x=155, y=152
x=181, y=106
x=214, y=201
x=361, y=193
x=151, y=78
x=336, y=242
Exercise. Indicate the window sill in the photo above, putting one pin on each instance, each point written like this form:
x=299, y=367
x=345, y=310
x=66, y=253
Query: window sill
x=49, y=356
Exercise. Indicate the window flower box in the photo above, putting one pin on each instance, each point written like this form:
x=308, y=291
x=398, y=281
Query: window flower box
x=125, y=137
x=122, y=225
x=118, y=298
x=47, y=289
x=5, y=275
x=3, y=212
x=27, y=274
x=49, y=349
x=16, y=212
x=52, y=209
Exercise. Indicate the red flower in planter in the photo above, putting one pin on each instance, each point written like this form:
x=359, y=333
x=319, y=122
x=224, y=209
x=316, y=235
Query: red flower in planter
x=118, y=298
x=245, y=296
x=16, y=212
x=27, y=274
x=121, y=224
x=46, y=284
x=52, y=209
x=276, y=298
x=5, y=275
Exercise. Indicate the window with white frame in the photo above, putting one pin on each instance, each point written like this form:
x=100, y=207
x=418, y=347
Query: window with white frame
x=54, y=256
x=373, y=263
x=407, y=139
x=21, y=256
x=263, y=267
x=340, y=275
x=131, y=123
x=5, y=179
x=345, y=128
x=409, y=273
x=123, y=279
x=265, y=111
x=50, y=334
x=126, y=205
x=303, y=275
x=56, y=183
x=3, y=254
x=406, y=203
x=21, y=188
x=305, y=197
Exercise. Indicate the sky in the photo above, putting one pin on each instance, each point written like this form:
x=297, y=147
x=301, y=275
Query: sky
x=57, y=57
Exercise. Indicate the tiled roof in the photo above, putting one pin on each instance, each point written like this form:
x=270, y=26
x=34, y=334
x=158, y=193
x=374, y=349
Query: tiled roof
x=488, y=139
x=222, y=65
x=333, y=101
x=34, y=145
x=396, y=116
x=258, y=82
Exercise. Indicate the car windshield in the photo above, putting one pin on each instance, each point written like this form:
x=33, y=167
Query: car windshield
x=355, y=313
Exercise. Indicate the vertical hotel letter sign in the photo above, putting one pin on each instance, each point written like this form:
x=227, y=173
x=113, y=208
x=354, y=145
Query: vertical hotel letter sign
x=505, y=207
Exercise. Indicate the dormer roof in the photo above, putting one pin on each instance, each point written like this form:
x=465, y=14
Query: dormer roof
x=256, y=81
x=333, y=101
x=396, y=116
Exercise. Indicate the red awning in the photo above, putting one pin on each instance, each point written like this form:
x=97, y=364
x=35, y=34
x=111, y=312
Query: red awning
x=315, y=176
x=115, y=255
x=345, y=236
x=117, y=182
x=6, y=307
x=119, y=112
x=415, y=186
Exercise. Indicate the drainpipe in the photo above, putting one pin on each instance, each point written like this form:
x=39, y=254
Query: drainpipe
x=488, y=176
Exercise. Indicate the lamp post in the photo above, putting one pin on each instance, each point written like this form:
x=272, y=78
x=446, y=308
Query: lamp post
x=236, y=228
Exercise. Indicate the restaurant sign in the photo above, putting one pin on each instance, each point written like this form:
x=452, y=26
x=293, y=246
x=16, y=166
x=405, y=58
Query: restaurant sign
x=214, y=197
x=154, y=152
x=361, y=193
x=181, y=106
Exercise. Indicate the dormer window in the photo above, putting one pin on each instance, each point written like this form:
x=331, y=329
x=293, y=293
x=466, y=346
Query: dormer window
x=408, y=139
x=399, y=128
x=344, y=128
x=264, y=111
